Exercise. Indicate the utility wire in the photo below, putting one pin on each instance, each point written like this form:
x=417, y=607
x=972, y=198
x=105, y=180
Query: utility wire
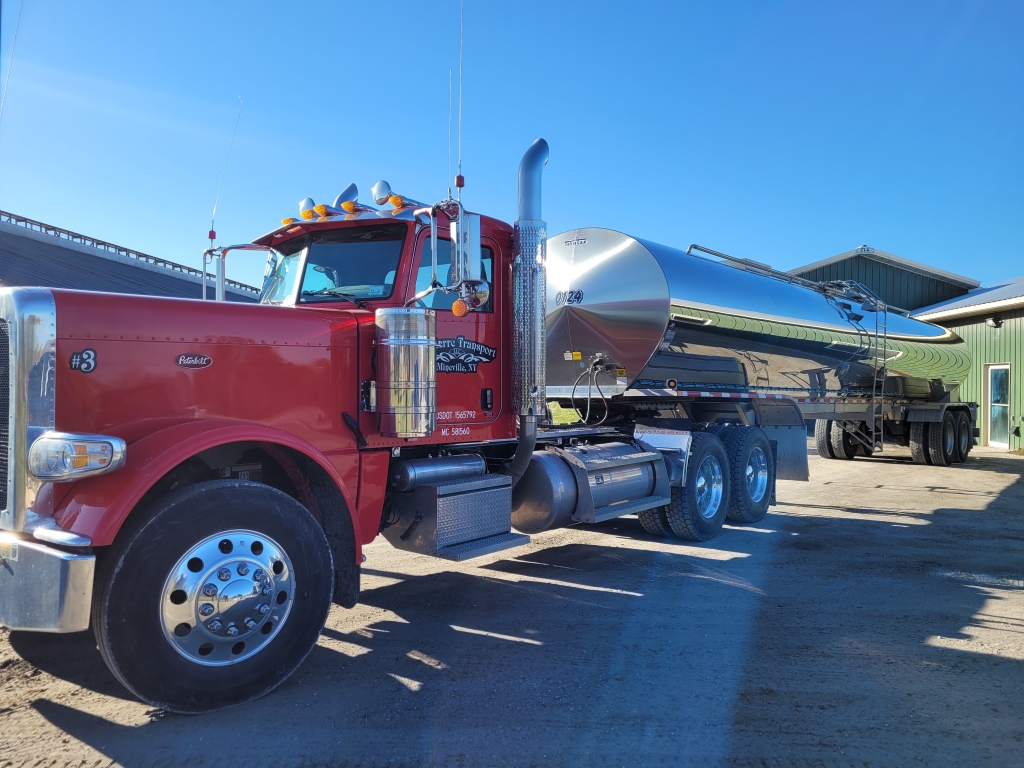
x=7, y=80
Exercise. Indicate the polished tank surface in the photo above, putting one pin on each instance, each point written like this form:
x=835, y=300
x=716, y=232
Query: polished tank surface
x=652, y=317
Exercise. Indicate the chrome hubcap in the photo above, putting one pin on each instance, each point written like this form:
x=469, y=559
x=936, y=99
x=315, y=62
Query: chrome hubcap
x=757, y=475
x=227, y=597
x=709, y=487
x=949, y=436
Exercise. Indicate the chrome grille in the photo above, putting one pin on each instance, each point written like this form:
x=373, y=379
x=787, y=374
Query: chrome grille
x=5, y=408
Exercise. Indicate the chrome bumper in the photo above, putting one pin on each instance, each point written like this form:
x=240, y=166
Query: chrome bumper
x=43, y=589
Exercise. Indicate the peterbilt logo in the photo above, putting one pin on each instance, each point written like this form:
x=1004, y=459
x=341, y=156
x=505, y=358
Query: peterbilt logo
x=568, y=297
x=192, y=362
x=576, y=239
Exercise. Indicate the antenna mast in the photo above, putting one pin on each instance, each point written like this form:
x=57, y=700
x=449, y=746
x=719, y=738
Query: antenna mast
x=449, y=133
x=213, y=216
x=460, y=182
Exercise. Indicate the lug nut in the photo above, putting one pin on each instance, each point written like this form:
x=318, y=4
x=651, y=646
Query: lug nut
x=210, y=590
x=205, y=609
x=242, y=569
x=232, y=630
x=267, y=589
x=250, y=624
x=263, y=608
x=214, y=626
x=223, y=574
x=258, y=575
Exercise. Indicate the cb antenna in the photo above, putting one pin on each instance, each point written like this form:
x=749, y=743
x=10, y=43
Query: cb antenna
x=449, y=133
x=460, y=182
x=213, y=217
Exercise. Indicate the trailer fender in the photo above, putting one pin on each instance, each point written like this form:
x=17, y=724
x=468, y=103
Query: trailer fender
x=783, y=423
x=98, y=506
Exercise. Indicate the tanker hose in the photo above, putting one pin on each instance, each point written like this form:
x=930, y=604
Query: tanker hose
x=524, y=451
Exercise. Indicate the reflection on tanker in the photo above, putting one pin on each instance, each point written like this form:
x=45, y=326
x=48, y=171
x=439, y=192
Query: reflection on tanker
x=664, y=315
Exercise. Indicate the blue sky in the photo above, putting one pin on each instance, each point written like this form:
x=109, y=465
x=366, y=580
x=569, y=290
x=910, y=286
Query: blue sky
x=785, y=132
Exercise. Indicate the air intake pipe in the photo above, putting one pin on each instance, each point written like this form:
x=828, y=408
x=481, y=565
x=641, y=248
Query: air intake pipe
x=529, y=308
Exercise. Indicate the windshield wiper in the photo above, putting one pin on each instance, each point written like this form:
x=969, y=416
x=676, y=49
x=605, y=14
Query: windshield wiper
x=335, y=292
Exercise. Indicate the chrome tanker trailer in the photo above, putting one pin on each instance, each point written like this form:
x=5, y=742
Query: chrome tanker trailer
x=715, y=363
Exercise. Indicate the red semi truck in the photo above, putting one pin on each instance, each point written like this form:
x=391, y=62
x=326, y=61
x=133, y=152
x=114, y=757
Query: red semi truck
x=196, y=480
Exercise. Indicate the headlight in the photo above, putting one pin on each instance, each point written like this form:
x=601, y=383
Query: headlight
x=60, y=456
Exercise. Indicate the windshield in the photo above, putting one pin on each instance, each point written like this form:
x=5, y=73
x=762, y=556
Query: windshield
x=282, y=271
x=352, y=263
x=344, y=264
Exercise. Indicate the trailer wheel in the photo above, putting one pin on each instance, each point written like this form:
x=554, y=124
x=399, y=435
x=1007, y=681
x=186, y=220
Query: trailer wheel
x=964, y=435
x=919, y=442
x=654, y=521
x=752, y=472
x=215, y=599
x=697, y=511
x=843, y=445
x=942, y=448
x=823, y=439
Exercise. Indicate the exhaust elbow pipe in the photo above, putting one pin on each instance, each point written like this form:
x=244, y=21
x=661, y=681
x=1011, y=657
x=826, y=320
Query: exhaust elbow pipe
x=529, y=308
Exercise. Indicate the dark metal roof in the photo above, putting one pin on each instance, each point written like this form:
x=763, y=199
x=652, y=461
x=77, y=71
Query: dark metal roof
x=874, y=254
x=33, y=253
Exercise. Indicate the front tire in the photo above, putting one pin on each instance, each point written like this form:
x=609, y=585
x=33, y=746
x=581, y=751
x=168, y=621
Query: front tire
x=215, y=599
x=697, y=511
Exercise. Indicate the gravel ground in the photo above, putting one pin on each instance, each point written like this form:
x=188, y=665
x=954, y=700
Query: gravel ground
x=874, y=618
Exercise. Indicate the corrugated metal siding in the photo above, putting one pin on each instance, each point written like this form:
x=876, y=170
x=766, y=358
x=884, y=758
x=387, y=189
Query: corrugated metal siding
x=989, y=346
x=899, y=287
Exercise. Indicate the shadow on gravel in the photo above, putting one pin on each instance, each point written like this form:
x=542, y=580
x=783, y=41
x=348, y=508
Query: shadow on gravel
x=572, y=655
x=891, y=645
x=73, y=658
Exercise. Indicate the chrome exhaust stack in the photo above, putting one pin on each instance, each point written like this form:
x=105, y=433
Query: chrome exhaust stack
x=529, y=307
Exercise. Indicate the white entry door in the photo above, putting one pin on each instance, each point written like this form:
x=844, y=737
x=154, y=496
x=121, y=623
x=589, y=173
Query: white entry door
x=999, y=406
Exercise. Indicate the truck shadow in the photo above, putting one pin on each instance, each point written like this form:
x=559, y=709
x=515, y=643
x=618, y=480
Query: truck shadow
x=886, y=644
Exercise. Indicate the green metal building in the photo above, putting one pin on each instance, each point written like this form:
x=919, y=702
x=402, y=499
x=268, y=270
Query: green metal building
x=898, y=282
x=990, y=320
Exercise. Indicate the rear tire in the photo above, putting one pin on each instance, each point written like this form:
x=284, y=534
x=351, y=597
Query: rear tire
x=215, y=598
x=654, y=522
x=752, y=474
x=822, y=438
x=919, y=442
x=843, y=445
x=942, y=441
x=697, y=511
x=964, y=435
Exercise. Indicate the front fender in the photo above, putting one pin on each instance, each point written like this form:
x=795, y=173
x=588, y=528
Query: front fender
x=98, y=506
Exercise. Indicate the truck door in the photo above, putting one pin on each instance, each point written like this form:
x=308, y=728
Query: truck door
x=468, y=359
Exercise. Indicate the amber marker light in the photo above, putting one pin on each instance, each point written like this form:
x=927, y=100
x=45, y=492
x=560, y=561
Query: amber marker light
x=307, y=214
x=287, y=221
x=348, y=206
x=460, y=308
x=321, y=209
x=396, y=200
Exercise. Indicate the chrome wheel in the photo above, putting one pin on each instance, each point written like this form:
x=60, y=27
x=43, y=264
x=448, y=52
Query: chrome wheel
x=709, y=487
x=949, y=436
x=227, y=597
x=757, y=475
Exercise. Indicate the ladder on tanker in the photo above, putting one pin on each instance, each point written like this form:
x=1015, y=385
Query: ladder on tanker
x=876, y=345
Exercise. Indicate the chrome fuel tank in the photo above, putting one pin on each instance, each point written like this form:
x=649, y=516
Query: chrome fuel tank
x=657, y=315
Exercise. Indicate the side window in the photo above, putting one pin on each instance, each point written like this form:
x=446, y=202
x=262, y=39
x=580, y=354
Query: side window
x=440, y=299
